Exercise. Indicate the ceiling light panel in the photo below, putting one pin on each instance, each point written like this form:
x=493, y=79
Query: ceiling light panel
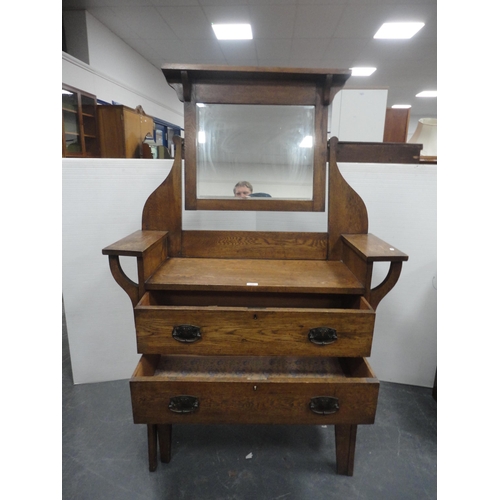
x=398, y=30
x=362, y=71
x=427, y=93
x=233, y=31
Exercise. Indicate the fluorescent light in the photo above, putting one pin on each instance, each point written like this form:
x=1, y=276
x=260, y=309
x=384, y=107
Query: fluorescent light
x=427, y=93
x=307, y=142
x=362, y=71
x=202, y=138
x=233, y=31
x=401, y=106
x=398, y=30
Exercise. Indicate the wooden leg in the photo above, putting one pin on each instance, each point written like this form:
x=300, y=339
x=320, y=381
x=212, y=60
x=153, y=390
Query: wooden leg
x=165, y=439
x=345, y=444
x=152, y=447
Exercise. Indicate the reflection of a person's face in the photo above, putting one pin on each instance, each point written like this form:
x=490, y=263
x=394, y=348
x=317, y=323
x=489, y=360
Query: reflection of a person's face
x=242, y=192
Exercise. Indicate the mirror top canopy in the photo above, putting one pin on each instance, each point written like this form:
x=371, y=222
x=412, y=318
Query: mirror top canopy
x=266, y=126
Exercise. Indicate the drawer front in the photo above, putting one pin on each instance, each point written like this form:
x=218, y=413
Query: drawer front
x=348, y=400
x=254, y=331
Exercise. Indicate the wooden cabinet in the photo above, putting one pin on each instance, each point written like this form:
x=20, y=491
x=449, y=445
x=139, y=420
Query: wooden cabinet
x=122, y=131
x=250, y=327
x=79, y=124
x=397, y=121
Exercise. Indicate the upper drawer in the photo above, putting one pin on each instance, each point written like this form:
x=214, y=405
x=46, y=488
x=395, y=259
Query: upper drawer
x=253, y=331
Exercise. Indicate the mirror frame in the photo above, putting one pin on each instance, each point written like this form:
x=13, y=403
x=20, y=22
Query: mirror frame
x=255, y=85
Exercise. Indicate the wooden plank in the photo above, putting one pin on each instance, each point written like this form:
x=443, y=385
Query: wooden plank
x=346, y=210
x=373, y=249
x=147, y=366
x=396, y=125
x=135, y=244
x=241, y=368
x=286, y=276
x=194, y=75
x=255, y=93
x=227, y=72
x=251, y=299
x=111, y=131
x=256, y=204
x=163, y=208
x=378, y=152
x=254, y=245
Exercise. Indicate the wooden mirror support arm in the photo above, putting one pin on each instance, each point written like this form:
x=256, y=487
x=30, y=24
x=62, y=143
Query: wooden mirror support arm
x=360, y=251
x=150, y=249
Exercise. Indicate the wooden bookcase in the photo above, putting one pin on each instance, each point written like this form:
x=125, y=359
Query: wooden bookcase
x=79, y=124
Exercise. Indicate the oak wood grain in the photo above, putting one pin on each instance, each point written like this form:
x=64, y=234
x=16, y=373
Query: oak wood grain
x=346, y=210
x=246, y=275
x=262, y=394
x=163, y=209
x=371, y=248
x=254, y=245
x=135, y=244
x=254, y=331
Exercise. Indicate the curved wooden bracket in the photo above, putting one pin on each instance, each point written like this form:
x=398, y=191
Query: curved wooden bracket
x=131, y=288
x=380, y=291
x=327, y=90
x=186, y=86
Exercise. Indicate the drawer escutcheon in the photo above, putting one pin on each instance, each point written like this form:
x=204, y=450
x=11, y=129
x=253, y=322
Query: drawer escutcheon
x=186, y=333
x=322, y=335
x=183, y=404
x=324, y=405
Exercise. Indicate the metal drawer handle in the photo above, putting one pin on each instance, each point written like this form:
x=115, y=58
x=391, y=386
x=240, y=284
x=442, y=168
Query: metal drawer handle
x=322, y=335
x=183, y=404
x=186, y=333
x=324, y=405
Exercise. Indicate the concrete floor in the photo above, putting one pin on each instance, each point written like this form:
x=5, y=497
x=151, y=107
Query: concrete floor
x=105, y=454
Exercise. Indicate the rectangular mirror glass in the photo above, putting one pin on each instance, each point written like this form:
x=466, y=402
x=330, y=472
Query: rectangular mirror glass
x=269, y=146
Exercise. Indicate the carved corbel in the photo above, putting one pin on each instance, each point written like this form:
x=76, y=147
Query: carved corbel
x=380, y=291
x=131, y=288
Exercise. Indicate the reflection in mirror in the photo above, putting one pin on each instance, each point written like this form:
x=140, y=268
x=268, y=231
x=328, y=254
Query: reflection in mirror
x=269, y=146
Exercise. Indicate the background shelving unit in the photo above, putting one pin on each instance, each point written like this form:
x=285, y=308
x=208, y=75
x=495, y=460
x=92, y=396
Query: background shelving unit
x=79, y=124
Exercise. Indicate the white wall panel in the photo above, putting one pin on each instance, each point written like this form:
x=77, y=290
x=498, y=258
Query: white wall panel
x=359, y=115
x=103, y=201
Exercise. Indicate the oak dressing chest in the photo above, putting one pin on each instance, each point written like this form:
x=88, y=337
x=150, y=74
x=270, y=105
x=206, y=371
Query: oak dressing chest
x=268, y=327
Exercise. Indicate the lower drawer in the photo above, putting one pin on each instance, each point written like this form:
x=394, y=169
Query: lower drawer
x=253, y=390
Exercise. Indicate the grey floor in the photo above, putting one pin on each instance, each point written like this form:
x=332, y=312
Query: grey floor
x=105, y=454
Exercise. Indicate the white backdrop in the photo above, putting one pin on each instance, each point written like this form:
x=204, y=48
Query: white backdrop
x=103, y=200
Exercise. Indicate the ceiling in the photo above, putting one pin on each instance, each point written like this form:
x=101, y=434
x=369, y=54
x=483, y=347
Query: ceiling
x=287, y=33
